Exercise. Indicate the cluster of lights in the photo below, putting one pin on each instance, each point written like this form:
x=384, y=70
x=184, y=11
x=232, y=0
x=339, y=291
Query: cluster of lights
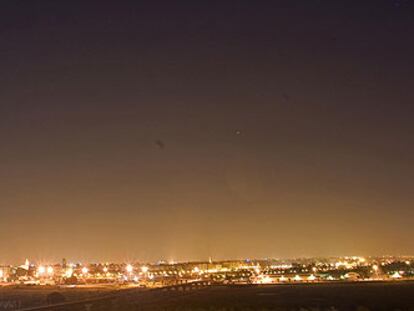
x=69, y=272
x=343, y=268
x=129, y=268
x=85, y=270
x=266, y=279
x=42, y=270
x=396, y=275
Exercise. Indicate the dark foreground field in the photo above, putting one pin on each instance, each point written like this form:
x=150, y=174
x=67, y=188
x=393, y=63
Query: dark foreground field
x=372, y=296
x=345, y=296
x=20, y=297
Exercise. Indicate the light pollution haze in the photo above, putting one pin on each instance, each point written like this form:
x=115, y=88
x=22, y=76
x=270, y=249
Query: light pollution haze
x=182, y=131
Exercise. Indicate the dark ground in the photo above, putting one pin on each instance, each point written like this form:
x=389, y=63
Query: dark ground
x=299, y=297
x=339, y=296
x=374, y=296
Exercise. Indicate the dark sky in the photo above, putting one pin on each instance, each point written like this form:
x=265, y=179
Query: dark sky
x=187, y=129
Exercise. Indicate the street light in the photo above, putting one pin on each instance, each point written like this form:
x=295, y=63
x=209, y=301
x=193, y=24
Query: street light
x=41, y=270
x=69, y=272
x=50, y=270
x=129, y=268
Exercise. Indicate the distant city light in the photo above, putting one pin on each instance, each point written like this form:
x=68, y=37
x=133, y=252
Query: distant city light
x=225, y=272
x=69, y=272
x=265, y=279
x=50, y=270
x=196, y=270
x=41, y=270
x=396, y=275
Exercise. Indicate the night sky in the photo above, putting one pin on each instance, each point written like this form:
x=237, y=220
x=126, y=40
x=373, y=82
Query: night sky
x=186, y=129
